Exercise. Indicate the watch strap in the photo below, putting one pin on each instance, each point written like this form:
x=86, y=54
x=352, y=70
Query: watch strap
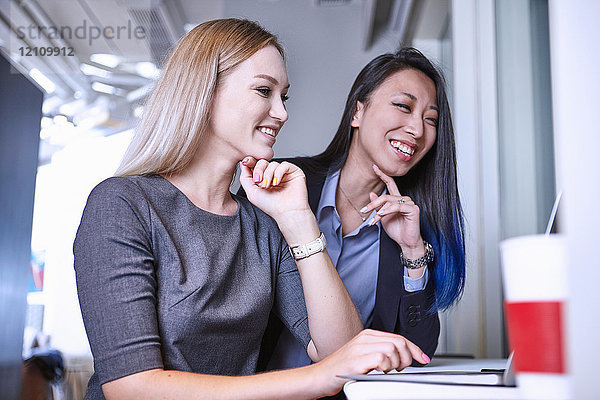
x=421, y=261
x=308, y=249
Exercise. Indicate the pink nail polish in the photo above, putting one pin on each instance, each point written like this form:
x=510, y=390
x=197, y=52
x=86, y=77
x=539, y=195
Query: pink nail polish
x=245, y=160
x=256, y=178
x=425, y=358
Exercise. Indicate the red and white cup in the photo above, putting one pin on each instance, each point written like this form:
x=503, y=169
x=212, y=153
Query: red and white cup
x=535, y=291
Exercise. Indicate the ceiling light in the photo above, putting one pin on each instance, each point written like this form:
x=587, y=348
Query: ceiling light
x=51, y=104
x=72, y=107
x=92, y=70
x=103, y=88
x=147, y=70
x=60, y=119
x=42, y=80
x=46, y=122
x=108, y=60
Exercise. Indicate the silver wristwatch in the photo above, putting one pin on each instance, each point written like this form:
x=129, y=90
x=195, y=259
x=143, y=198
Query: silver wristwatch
x=310, y=248
x=421, y=261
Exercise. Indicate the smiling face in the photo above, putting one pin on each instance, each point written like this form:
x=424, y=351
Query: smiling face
x=248, y=110
x=398, y=124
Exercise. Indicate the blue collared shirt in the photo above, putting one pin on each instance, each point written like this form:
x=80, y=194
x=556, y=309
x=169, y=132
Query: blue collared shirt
x=356, y=258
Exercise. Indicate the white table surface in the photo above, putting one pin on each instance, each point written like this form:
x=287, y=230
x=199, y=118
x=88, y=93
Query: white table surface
x=405, y=390
x=365, y=390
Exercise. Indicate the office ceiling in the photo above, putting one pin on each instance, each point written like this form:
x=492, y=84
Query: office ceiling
x=98, y=59
x=95, y=51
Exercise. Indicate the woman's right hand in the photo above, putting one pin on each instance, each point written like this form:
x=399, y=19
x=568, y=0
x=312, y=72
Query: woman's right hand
x=279, y=189
x=369, y=350
x=275, y=188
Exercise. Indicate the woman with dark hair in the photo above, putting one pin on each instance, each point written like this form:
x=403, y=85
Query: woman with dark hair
x=385, y=196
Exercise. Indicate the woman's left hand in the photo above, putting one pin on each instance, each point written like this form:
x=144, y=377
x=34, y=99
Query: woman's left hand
x=399, y=217
x=276, y=188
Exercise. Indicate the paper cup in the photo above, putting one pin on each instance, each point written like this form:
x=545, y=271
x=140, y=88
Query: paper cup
x=535, y=290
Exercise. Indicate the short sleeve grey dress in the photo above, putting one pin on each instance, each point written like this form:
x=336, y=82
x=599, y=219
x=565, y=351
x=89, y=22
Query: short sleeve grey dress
x=164, y=284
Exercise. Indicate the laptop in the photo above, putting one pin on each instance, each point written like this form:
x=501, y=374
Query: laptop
x=449, y=371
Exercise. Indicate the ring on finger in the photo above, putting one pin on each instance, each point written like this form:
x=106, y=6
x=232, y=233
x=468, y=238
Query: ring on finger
x=401, y=200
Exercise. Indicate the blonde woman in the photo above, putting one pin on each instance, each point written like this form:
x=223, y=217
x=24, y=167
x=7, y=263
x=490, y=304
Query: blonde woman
x=177, y=276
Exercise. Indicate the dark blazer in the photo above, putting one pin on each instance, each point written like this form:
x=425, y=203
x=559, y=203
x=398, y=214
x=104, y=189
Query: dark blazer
x=396, y=310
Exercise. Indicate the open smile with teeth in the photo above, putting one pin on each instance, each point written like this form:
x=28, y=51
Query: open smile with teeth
x=408, y=151
x=268, y=131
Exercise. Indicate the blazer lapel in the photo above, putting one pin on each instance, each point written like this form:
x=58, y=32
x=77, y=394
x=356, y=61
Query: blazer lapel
x=390, y=285
x=315, y=186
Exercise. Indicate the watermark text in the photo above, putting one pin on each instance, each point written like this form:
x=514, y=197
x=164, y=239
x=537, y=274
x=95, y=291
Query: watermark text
x=84, y=31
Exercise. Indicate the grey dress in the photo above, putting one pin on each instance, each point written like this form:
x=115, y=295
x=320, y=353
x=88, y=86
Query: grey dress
x=164, y=284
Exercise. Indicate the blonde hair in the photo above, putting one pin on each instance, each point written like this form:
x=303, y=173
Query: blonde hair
x=177, y=113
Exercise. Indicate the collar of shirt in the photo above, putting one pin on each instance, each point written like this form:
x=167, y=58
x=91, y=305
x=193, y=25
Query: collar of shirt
x=327, y=203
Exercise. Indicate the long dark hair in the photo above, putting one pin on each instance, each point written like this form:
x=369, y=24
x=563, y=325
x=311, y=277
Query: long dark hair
x=432, y=183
